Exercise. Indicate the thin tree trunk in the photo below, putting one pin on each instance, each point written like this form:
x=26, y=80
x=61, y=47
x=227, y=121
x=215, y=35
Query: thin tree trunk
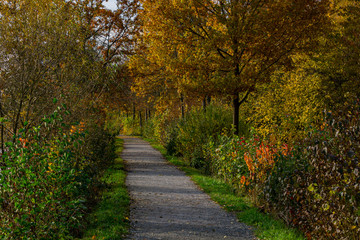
x=140, y=119
x=134, y=112
x=204, y=104
x=146, y=115
x=16, y=123
x=182, y=106
x=236, y=106
x=2, y=139
x=236, y=101
x=2, y=129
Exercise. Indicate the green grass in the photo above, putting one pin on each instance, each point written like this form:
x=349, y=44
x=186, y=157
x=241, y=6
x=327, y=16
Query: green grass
x=266, y=226
x=110, y=218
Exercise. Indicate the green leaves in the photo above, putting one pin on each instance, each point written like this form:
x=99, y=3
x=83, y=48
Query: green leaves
x=3, y=120
x=41, y=182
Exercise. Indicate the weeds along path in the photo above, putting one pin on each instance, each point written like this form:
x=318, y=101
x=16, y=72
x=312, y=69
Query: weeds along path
x=166, y=204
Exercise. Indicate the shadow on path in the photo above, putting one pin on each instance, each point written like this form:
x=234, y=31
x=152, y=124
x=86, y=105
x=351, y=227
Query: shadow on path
x=166, y=204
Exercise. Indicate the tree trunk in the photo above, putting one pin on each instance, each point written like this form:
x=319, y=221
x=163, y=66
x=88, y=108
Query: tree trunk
x=134, y=112
x=2, y=130
x=140, y=119
x=182, y=106
x=16, y=123
x=236, y=105
x=236, y=113
x=204, y=104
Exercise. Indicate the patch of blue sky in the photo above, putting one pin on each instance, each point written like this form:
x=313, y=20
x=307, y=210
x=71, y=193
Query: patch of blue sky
x=110, y=4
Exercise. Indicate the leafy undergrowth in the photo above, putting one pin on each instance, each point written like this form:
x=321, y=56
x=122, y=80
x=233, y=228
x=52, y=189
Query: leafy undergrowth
x=110, y=219
x=266, y=226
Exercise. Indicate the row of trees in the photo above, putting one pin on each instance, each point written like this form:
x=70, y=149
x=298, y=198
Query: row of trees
x=222, y=48
x=292, y=58
x=60, y=62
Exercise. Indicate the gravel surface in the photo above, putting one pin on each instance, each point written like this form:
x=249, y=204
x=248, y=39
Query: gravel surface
x=166, y=204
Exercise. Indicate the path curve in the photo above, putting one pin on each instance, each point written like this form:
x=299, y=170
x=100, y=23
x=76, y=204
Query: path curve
x=166, y=204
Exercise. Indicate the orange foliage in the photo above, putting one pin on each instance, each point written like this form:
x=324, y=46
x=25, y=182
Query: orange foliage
x=78, y=128
x=260, y=163
x=23, y=142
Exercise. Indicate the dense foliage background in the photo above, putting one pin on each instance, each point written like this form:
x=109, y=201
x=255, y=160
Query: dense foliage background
x=261, y=94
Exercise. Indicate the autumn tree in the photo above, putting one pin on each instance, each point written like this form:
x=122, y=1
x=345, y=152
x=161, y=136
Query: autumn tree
x=151, y=81
x=110, y=34
x=327, y=79
x=39, y=41
x=337, y=58
x=237, y=42
x=289, y=104
x=69, y=50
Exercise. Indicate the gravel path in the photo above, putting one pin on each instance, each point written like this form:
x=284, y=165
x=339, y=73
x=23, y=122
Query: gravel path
x=166, y=204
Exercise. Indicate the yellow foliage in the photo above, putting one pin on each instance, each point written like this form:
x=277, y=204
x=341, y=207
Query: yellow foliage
x=288, y=105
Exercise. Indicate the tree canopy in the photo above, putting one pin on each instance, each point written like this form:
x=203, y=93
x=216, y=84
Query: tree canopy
x=227, y=47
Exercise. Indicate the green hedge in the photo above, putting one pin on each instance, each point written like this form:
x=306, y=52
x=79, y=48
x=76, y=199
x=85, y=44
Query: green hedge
x=47, y=179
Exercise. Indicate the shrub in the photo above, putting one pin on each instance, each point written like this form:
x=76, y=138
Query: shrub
x=226, y=159
x=318, y=189
x=45, y=180
x=195, y=130
x=314, y=185
x=113, y=123
x=130, y=126
x=244, y=162
x=283, y=193
x=149, y=127
x=162, y=128
x=99, y=147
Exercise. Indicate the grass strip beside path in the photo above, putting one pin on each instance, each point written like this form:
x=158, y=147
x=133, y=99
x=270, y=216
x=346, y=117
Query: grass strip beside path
x=110, y=219
x=266, y=226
